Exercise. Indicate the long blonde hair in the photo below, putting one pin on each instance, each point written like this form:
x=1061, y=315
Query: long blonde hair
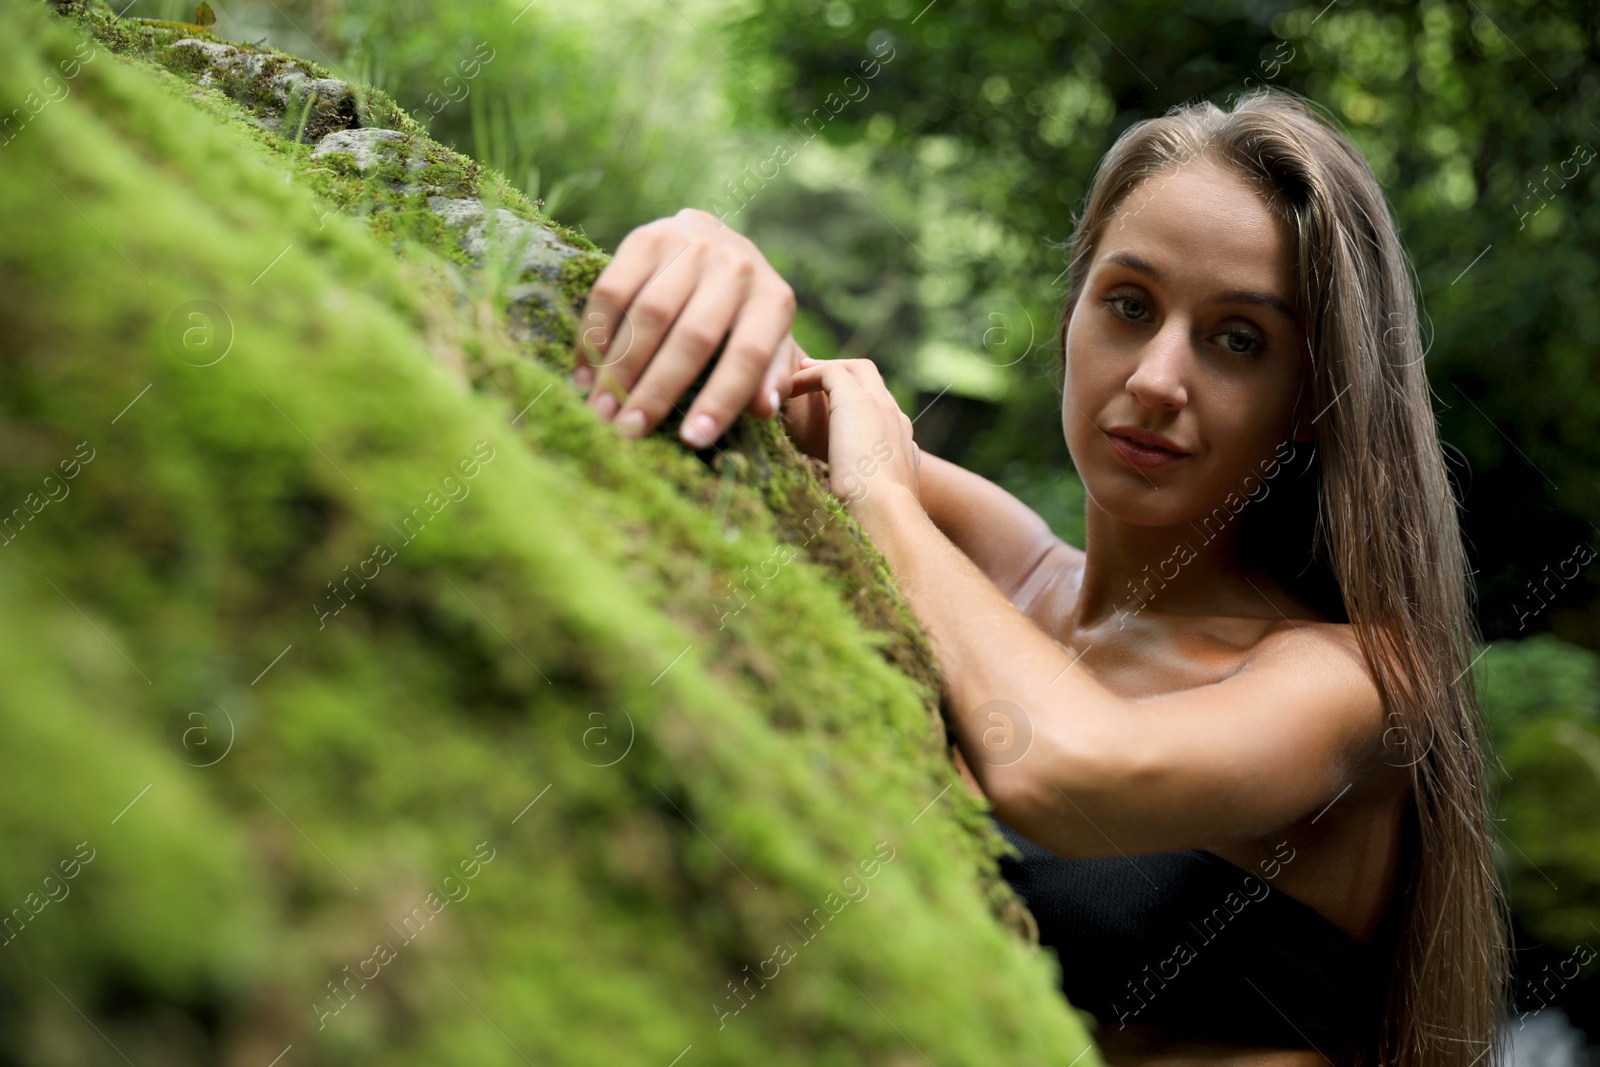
x=1374, y=523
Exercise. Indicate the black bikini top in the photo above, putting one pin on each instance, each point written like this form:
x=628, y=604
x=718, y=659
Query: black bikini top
x=1192, y=944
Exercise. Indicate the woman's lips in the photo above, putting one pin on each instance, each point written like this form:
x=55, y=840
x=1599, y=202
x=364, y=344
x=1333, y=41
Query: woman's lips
x=1143, y=455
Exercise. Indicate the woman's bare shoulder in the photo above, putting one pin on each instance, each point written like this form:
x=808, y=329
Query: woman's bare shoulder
x=1319, y=643
x=1060, y=572
x=1333, y=651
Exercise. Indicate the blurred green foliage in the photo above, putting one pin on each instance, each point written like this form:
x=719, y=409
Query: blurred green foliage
x=1543, y=700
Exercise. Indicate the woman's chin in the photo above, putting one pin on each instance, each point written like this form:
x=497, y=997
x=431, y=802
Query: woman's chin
x=1151, y=508
x=1137, y=503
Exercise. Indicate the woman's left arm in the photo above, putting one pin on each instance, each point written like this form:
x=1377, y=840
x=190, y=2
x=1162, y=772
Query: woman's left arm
x=1064, y=760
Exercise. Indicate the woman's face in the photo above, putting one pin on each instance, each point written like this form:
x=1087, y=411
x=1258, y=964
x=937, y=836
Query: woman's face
x=1184, y=329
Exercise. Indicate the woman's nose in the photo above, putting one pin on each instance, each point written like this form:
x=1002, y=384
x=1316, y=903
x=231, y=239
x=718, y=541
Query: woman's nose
x=1159, y=379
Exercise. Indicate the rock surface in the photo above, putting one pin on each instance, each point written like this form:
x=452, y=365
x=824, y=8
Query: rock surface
x=532, y=248
x=366, y=147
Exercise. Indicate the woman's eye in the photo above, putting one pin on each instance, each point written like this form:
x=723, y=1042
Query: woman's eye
x=1239, y=343
x=1119, y=302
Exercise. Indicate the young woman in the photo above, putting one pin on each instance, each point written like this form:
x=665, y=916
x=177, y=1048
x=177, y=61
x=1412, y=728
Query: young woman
x=1234, y=735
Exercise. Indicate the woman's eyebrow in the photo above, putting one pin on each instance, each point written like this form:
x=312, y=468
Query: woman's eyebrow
x=1232, y=296
x=1251, y=296
x=1133, y=262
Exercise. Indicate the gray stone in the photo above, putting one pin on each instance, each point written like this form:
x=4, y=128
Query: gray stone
x=532, y=247
x=252, y=65
x=368, y=147
x=327, y=90
x=526, y=306
x=214, y=50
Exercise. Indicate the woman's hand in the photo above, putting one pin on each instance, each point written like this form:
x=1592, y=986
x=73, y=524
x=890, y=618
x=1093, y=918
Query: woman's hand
x=674, y=290
x=870, y=451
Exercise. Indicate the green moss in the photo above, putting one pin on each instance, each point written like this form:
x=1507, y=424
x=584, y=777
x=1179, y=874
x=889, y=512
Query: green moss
x=362, y=730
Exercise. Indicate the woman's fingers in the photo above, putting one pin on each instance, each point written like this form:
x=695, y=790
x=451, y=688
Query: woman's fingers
x=644, y=322
x=775, y=385
x=676, y=289
x=828, y=374
x=754, y=346
x=804, y=381
x=807, y=380
x=805, y=416
x=866, y=429
x=687, y=348
x=612, y=292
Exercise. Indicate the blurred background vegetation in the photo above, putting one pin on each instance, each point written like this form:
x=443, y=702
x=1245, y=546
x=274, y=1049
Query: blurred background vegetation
x=920, y=211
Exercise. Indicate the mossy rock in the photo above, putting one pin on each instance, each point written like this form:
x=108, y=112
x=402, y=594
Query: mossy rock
x=368, y=697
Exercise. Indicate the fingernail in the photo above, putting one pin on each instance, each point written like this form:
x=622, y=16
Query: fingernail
x=583, y=377
x=631, y=423
x=772, y=399
x=699, y=431
x=606, y=406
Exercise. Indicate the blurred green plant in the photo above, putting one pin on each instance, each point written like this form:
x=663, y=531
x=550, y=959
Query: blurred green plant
x=1542, y=697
